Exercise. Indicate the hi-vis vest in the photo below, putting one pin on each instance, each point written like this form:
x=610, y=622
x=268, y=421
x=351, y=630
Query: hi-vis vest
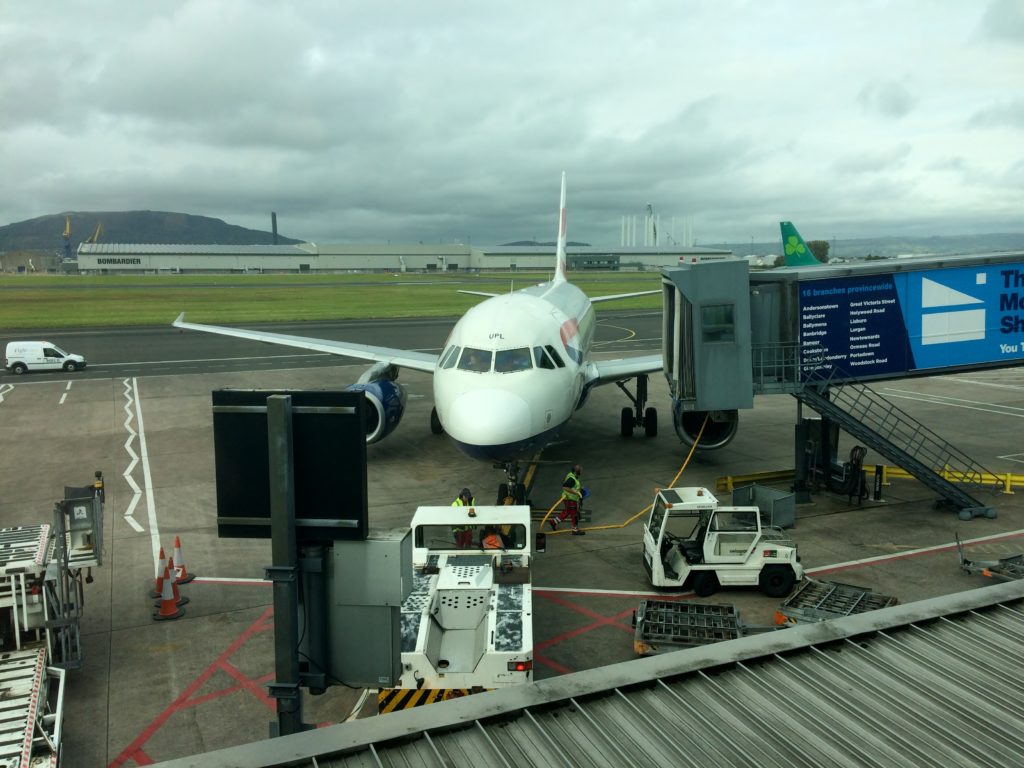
x=574, y=493
x=458, y=503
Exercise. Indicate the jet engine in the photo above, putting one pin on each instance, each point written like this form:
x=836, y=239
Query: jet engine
x=719, y=431
x=385, y=400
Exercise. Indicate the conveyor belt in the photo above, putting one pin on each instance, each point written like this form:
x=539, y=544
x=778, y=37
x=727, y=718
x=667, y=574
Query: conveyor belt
x=22, y=704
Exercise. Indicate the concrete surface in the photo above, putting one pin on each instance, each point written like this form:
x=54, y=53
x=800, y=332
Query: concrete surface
x=152, y=691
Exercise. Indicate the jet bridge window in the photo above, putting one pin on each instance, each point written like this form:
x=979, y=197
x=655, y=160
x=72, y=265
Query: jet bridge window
x=478, y=360
x=449, y=357
x=717, y=323
x=510, y=360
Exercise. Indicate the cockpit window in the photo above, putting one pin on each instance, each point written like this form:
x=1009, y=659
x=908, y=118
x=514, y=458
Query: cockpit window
x=478, y=360
x=541, y=358
x=554, y=355
x=510, y=360
x=448, y=358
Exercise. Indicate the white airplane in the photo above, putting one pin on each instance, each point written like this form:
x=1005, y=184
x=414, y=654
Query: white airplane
x=511, y=374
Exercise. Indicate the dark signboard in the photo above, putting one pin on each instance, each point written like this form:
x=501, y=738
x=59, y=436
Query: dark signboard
x=884, y=325
x=329, y=454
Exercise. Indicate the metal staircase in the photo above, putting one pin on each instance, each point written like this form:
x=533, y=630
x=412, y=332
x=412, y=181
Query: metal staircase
x=901, y=439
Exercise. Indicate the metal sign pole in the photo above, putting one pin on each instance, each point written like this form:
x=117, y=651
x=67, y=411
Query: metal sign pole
x=284, y=570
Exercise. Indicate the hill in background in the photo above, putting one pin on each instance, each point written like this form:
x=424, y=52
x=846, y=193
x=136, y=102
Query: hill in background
x=46, y=233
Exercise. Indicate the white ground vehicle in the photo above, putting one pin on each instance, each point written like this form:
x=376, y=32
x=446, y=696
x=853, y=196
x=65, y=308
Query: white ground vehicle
x=468, y=623
x=22, y=356
x=690, y=542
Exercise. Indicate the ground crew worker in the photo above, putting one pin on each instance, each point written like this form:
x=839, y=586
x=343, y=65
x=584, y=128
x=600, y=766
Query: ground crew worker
x=572, y=496
x=463, y=533
x=491, y=539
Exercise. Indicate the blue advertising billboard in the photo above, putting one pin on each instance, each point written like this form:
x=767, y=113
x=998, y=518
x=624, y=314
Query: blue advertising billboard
x=886, y=325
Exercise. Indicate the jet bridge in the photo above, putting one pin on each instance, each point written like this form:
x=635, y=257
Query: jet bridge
x=820, y=333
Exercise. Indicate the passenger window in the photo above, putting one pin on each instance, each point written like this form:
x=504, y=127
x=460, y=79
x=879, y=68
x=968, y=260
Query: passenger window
x=478, y=360
x=554, y=355
x=50, y=352
x=541, y=358
x=449, y=358
x=511, y=360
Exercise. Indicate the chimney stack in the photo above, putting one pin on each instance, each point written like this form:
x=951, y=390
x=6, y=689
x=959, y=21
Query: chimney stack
x=273, y=225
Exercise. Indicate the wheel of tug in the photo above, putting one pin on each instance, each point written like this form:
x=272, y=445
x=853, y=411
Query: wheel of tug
x=651, y=422
x=435, y=423
x=705, y=583
x=627, y=423
x=776, y=580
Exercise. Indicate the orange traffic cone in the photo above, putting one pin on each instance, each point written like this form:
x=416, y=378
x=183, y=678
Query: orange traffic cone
x=179, y=599
x=158, y=586
x=181, y=576
x=168, y=607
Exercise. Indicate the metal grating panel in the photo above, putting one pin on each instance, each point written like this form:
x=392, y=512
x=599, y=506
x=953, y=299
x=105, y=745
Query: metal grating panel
x=931, y=683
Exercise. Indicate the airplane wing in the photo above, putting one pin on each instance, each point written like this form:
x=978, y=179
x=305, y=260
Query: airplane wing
x=478, y=293
x=605, y=371
x=596, y=299
x=417, y=361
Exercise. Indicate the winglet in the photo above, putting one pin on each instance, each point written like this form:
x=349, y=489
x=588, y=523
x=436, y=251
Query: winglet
x=797, y=254
x=179, y=320
x=560, y=268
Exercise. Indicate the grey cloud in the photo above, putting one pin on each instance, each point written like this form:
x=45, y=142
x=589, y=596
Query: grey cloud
x=409, y=121
x=1002, y=115
x=873, y=161
x=888, y=99
x=1003, y=20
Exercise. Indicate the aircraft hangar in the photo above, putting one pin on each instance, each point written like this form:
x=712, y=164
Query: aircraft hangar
x=124, y=258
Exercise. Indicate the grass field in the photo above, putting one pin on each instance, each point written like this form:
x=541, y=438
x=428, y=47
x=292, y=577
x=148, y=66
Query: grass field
x=45, y=301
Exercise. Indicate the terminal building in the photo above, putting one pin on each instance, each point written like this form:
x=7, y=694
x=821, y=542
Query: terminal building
x=120, y=258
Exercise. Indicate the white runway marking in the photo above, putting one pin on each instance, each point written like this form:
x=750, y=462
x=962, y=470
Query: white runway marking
x=154, y=529
x=5, y=389
x=127, y=474
x=956, y=402
x=65, y=395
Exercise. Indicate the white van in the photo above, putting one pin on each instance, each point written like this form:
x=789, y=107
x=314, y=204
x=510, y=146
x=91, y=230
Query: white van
x=24, y=356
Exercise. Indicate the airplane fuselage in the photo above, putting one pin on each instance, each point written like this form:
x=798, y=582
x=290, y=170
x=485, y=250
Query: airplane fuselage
x=513, y=370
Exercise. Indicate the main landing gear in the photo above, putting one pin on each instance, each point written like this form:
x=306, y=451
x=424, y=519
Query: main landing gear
x=638, y=416
x=512, y=491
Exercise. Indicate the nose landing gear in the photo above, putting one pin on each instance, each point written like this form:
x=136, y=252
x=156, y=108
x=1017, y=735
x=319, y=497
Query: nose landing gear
x=512, y=491
x=638, y=416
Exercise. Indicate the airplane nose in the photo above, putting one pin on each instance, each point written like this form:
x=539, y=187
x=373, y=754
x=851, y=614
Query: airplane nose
x=488, y=417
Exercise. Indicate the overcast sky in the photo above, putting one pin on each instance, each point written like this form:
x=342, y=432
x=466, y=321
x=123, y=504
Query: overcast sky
x=441, y=121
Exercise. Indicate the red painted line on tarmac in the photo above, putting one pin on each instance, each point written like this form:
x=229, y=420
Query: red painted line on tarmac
x=554, y=665
x=249, y=684
x=134, y=750
x=601, y=621
x=226, y=691
x=235, y=582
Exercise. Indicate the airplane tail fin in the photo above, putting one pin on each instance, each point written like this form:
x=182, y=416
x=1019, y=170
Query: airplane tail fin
x=797, y=254
x=560, y=268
